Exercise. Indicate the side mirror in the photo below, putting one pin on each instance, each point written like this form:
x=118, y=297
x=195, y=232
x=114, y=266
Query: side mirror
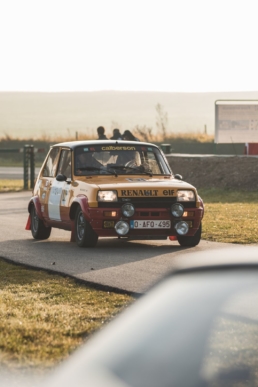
x=178, y=177
x=61, y=177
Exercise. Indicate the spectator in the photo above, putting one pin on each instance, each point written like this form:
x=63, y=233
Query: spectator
x=127, y=135
x=116, y=135
x=101, y=133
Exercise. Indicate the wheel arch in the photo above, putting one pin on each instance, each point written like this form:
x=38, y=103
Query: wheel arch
x=79, y=201
x=35, y=201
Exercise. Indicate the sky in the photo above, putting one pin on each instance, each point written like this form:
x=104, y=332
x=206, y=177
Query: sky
x=133, y=45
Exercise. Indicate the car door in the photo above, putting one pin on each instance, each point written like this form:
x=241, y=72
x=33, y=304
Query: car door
x=64, y=169
x=46, y=180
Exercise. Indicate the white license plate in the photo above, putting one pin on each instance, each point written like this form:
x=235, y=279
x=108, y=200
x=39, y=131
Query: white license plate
x=150, y=224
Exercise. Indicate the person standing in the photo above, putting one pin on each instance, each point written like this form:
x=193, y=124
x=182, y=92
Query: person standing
x=116, y=135
x=101, y=133
x=127, y=135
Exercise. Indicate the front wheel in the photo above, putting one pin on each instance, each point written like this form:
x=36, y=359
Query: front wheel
x=190, y=241
x=84, y=234
x=38, y=229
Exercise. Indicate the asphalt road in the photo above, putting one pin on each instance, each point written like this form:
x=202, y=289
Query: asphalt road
x=13, y=173
x=131, y=266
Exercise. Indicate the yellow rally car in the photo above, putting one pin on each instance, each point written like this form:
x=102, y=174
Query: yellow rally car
x=113, y=188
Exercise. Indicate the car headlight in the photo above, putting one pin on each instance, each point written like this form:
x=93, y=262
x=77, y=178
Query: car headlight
x=186, y=196
x=177, y=210
x=127, y=210
x=107, y=196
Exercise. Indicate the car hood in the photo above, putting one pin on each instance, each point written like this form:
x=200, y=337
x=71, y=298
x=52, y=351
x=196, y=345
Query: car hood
x=142, y=183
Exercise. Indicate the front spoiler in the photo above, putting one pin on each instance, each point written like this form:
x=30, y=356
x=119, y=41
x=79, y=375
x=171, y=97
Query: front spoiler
x=97, y=218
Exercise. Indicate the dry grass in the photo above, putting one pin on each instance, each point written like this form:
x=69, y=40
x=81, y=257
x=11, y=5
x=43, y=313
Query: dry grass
x=44, y=317
x=144, y=133
x=11, y=185
x=230, y=216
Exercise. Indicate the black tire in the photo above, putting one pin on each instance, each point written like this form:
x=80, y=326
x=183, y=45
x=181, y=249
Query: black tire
x=85, y=236
x=190, y=241
x=38, y=229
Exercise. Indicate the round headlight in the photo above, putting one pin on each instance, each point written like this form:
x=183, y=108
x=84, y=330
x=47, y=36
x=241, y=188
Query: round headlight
x=127, y=210
x=177, y=210
x=122, y=227
x=182, y=228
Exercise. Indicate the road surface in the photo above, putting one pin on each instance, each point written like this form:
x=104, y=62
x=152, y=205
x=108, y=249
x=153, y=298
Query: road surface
x=14, y=173
x=130, y=266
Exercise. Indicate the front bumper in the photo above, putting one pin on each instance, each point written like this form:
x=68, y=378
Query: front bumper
x=103, y=220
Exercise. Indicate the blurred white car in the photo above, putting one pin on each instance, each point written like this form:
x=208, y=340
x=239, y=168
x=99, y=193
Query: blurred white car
x=197, y=327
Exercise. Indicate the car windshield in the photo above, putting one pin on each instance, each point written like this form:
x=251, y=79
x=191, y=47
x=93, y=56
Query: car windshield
x=119, y=160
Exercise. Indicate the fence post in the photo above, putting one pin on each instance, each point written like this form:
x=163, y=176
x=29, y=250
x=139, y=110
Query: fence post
x=25, y=167
x=28, y=158
x=32, y=167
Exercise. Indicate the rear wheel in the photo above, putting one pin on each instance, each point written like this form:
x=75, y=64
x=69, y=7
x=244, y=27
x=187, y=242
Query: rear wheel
x=190, y=241
x=38, y=229
x=84, y=234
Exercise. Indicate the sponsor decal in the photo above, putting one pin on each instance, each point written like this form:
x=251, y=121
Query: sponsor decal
x=38, y=185
x=109, y=148
x=56, y=190
x=146, y=192
x=85, y=149
x=43, y=195
x=42, y=208
x=168, y=192
x=64, y=194
x=139, y=192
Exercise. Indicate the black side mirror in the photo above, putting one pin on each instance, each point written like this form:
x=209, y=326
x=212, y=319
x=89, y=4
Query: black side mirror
x=178, y=177
x=61, y=177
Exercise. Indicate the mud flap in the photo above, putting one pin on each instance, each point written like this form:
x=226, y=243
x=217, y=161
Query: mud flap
x=28, y=225
x=72, y=239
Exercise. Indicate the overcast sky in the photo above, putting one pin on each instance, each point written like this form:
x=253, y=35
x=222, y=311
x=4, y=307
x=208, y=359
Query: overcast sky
x=153, y=45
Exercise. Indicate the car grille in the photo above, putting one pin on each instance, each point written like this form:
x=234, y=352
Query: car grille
x=146, y=203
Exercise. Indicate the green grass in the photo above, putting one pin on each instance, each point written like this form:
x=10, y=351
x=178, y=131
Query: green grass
x=44, y=317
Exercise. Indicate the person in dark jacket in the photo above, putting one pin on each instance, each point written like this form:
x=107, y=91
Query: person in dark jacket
x=116, y=135
x=101, y=133
x=127, y=135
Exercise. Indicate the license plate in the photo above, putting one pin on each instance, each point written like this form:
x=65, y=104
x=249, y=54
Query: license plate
x=150, y=224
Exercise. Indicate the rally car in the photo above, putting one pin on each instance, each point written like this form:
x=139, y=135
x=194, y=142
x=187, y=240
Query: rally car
x=122, y=189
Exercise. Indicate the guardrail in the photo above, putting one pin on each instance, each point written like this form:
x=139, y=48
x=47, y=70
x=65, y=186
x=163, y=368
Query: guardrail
x=28, y=162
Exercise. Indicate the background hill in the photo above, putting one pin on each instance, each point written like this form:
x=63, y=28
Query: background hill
x=33, y=115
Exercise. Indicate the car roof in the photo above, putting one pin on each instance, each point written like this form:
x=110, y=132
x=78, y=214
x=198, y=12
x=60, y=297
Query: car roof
x=222, y=257
x=75, y=144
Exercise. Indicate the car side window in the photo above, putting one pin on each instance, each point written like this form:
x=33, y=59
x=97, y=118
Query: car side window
x=64, y=166
x=51, y=163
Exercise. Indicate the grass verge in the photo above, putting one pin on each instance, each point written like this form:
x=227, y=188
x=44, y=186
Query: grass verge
x=230, y=216
x=11, y=185
x=44, y=317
